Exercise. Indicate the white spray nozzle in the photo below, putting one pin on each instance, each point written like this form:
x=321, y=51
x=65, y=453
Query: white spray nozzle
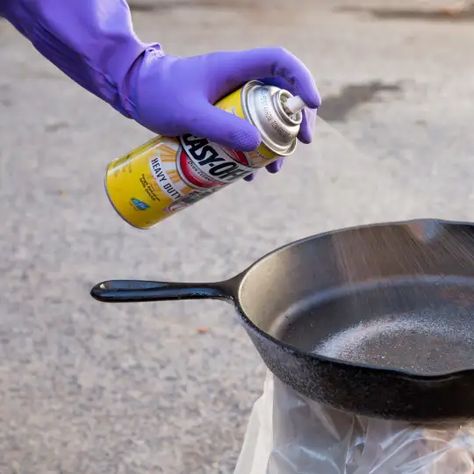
x=294, y=105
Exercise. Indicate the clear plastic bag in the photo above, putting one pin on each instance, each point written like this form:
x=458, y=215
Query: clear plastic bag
x=289, y=434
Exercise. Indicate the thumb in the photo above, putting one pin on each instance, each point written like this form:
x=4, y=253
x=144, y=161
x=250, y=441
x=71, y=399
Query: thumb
x=236, y=68
x=224, y=128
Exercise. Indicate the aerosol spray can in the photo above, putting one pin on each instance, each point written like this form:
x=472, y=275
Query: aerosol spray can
x=168, y=174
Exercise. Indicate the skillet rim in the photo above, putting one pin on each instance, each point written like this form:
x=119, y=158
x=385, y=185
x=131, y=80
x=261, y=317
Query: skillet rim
x=300, y=354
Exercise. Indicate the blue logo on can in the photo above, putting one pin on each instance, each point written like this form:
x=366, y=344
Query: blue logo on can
x=139, y=205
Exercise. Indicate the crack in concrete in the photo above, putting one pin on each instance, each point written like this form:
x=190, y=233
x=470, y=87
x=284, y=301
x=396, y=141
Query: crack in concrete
x=447, y=14
x=141, y=6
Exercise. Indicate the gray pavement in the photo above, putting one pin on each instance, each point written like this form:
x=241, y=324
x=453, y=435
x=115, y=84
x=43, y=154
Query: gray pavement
x=90, y=388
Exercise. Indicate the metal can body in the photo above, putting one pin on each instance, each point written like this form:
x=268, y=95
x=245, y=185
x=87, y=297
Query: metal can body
x=168, y=174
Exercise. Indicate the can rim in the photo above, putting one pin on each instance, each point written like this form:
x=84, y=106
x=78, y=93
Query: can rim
x=265, y=139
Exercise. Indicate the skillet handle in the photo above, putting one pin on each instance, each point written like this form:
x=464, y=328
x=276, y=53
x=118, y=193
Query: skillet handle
x=128, y=291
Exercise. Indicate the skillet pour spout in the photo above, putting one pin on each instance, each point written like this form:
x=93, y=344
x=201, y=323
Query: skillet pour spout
x=375, y=320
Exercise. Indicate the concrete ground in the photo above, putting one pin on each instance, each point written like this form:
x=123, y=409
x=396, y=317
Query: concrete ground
x=167, y=388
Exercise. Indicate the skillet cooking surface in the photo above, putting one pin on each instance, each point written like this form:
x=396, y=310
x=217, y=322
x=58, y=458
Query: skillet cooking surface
x=408, y=326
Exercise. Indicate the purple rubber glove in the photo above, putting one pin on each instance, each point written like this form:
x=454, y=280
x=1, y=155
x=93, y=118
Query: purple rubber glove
x=165, y=100
x=93, y=42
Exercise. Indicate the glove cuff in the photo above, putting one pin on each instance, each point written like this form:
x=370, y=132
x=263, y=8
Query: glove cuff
x=127, y=87
x=97, y=49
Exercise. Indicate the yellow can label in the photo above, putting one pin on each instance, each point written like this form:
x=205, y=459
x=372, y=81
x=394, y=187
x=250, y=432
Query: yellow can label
x=233, y=103
x=168, y=174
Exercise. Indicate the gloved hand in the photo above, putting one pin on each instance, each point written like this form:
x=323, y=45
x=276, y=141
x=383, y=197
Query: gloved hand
x=93, y=42
x=172, y=95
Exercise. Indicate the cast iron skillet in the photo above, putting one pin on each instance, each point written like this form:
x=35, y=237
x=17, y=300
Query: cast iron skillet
x=375, y=320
